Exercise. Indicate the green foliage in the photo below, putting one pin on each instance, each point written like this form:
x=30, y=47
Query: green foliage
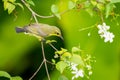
x=62, y=51
x=10, y=5
x=71, y=5
x=73, y=61
x=16, y=78
x=65, y=56
x=50, y=41
x=75, y=49
x=60, y=66
x=104, y=7
x=54, y=8
x=55, y=11
x=62, y=77
x=20, y=5
x=30, y=2
x=5, y=74
x=115, y=1
x=109, y=9
x=77, y=59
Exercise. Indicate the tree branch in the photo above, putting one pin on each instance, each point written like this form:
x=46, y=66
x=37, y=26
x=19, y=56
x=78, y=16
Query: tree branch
x=53, y=47
x=34, y=14
x=44, y=59
x=36, y=71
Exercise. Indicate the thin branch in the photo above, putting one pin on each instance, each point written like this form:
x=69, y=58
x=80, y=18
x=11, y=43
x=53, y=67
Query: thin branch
x=53, y=47
x=50, y=62
x=44, y=16
x=36, y=71
x=44, y=59
x=87, y=28
x=35, y=14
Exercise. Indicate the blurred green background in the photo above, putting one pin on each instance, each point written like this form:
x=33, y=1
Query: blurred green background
x=21, y=54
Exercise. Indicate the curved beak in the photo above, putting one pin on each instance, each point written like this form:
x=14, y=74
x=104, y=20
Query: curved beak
x=61, y=37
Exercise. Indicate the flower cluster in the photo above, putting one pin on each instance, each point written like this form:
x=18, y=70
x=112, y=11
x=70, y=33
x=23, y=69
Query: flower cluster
x=80, y=66
x=79, y=72
x=104, y=33
x=74, y=70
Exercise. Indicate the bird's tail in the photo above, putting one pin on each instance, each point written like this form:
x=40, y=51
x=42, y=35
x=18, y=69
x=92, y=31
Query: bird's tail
x=19, y=30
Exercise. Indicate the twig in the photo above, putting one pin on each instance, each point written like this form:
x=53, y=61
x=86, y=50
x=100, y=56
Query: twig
x=50, y=62
x=87, y=28
x=36, y=71
x=34, y=13
x=53, y=47
x=44, y=59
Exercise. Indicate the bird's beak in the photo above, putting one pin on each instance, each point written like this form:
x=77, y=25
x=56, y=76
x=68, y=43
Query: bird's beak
x=61, y=37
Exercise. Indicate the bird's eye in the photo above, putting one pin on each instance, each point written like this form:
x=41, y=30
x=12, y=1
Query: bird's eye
x=57, y=33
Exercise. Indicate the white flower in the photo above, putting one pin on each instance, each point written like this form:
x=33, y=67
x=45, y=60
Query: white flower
x=74, y=66
x=108, y=37
x=104, y=33
x=103, y=28
x=78, y=73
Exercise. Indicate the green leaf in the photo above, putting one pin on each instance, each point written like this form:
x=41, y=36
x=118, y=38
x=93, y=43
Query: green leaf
x=16, y=78
x=115, y=1
x=30, y=2
x=50, y=41
x=11, y=8
x=75, y=49
x=90, y=11
x=62, y=78
x=6, y=5
x=77, y=59
x=20, y=5
x=58, y=16
x=100, y=7
x=65, y=56
x=71, y=5
x=4, y=74
x=61, y=51
x=60, y=66
x=54, y=8
x=109, y=8
x=12, y=1
x=53, y=61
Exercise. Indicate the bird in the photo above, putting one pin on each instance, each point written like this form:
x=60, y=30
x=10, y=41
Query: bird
x=40, y=30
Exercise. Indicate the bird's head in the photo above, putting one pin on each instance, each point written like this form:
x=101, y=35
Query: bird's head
x=56, y=32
